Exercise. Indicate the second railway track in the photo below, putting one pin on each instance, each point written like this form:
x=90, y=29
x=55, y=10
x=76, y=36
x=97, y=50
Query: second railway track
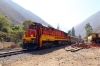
x=10, y=53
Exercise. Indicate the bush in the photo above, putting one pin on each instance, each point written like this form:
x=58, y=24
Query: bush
x=19, y=43
x=3, y=36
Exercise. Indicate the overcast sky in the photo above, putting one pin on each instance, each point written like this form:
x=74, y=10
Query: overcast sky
x=67, y=13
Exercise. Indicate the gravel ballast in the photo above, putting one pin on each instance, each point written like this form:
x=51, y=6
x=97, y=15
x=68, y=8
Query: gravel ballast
x=54, y=57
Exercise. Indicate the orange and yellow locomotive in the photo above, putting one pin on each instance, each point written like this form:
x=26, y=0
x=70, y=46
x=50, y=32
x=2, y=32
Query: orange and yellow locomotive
x=38, y=36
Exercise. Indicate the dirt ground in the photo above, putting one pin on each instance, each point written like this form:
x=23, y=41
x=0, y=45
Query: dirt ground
x=57, y=57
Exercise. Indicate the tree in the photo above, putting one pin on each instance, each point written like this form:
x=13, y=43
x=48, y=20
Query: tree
x=69, y=33
x=16, y=33
x=2, y=36
x=9, y=32
x=80, y=36
x=4, y=21
x=26, y=24
x=6, y=29
x=73, y=31
x=58, y=26
x=88, y=29
x=15, y=27
x=4, y=26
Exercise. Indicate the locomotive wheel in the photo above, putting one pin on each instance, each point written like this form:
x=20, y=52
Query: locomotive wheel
x=46, y=44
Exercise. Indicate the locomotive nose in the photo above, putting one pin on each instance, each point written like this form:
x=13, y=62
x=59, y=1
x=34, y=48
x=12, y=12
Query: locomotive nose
x=29, y=35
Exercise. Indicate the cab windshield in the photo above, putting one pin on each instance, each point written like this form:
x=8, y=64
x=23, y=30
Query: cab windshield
x=32, y=27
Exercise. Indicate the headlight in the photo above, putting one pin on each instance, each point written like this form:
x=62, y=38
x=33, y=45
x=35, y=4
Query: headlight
x=31, y=35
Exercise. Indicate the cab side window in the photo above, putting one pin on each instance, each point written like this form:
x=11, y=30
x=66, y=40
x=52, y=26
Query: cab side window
x=33, y=27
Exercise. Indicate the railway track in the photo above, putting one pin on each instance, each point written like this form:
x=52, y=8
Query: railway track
x=10, y=53
x=73, y=48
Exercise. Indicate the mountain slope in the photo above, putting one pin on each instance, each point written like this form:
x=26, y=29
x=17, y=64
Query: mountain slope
x=94, y=21
x=11, y=13
x=17, y=13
